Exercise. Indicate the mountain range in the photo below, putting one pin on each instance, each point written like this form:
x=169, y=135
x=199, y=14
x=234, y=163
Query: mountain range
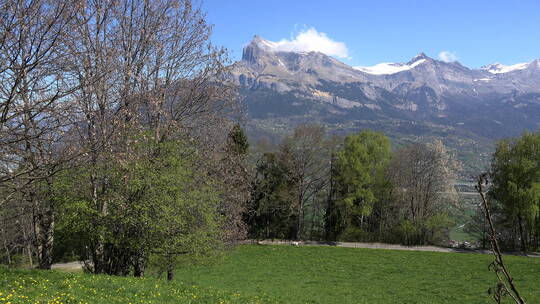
x=419, y=100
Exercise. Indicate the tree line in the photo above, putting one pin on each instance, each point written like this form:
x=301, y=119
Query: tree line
x=317, y=187
x=353, y=189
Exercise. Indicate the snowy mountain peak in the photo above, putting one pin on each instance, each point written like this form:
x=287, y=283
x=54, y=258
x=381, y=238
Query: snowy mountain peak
x=497, y=68
x=262, y=43
x=420, y=56
x=257, y=48
x=384, y=68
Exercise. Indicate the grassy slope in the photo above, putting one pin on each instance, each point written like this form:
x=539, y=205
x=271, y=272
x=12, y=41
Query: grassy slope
x=52, y=287
x=289, y=275
x=458, y=234
x=349, y=275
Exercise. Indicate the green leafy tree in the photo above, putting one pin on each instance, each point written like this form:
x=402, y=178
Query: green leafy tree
x=360, y=180
x=158, y=204
x=237, y=140
x=516, y=185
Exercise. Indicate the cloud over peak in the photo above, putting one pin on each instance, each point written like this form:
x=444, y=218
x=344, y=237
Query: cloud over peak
x=310, y=40
x=447, y=56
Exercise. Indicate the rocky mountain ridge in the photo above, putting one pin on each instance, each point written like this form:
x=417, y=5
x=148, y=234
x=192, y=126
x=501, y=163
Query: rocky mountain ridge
x=416, y=100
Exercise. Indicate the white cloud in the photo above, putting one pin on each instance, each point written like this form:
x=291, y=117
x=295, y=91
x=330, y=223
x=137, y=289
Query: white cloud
x=310, y=40
x=447, y=56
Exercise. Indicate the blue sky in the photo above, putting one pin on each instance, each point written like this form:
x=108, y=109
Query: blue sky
x=475, y=32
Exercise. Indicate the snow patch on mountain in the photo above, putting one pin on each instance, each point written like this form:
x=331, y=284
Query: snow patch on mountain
x=389, y=68
x=498, y=68
x=265, y=44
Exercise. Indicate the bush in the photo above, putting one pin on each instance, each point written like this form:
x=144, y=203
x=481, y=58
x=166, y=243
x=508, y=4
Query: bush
x=354, y=234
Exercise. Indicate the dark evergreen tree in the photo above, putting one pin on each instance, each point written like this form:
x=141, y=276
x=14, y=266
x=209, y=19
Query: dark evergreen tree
x=271, y=213
x=237, y=141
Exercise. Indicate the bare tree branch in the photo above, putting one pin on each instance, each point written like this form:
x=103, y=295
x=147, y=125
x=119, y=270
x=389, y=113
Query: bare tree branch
x=505, y=285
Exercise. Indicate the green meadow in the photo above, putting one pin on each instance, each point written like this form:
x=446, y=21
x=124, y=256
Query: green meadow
x=288, y=274
x=351, y=275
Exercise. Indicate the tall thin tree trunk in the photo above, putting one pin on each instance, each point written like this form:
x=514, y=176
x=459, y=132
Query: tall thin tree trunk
x=312, y=223
x=99, y=251
x=45, y=238
x=8, y=252
x=267, y=226
x=521, y=234
x=30, y=258
x=28, y=246
x=170, y=269
x=300, y=220
x=139, y=265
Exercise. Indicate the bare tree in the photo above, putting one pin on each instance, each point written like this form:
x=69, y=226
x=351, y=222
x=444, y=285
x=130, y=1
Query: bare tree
x=33, y=83
x=423, y=177
x=35, y=92
x=304, y=153
x=145, y=68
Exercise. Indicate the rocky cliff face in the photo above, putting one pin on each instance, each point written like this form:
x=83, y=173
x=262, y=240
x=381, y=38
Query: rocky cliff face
x=417, y=99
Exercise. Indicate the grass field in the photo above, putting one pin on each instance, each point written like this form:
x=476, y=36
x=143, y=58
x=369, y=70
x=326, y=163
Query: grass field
x=351, y=275
x=287, y=274
x=457, y=234
x=54, y=287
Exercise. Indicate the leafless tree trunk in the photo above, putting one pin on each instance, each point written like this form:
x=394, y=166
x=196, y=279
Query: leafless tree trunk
x=34, y=97
x=304, y=152
x=422, y=176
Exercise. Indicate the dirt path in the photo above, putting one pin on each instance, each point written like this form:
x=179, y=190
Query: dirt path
x=382, y=246
x=77, y=266
x=71, y=266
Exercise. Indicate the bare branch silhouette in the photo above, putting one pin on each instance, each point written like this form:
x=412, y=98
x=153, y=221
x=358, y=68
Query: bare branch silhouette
x=505, y=285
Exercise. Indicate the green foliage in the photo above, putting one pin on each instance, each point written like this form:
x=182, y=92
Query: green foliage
x=408, y=231
x=237, y=140
x=516, y=184
x=359, y=179
x=438, y=226
x=290, y=187
x=156, y=203
x=352, y=234
x=360, y=191
x=272, y=212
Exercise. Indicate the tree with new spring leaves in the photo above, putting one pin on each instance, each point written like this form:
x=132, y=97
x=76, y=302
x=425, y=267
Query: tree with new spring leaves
x=516, y=186
x=359, y=174
x=84, y=83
